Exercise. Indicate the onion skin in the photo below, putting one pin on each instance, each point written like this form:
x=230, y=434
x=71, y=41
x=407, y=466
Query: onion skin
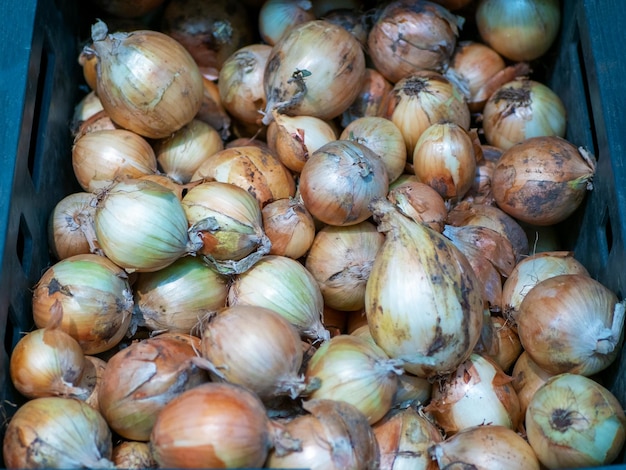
x=419, y=201
x=527, y=378
x=573, y=421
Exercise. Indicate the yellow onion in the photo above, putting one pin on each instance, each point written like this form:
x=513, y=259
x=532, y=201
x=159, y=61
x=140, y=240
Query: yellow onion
x=210, y=31
x=335, y=321
x=339, y=180
x=277, y=17
x=480, y=191
x=132, y=454
x=314, y=70
x=521, y=109
x=404, y=436
x=533, y=269
x=213, y=425
x=352, y=20
x=95, y=297
x=48, y=362
x=57, y=432
x=70, y=226
x=87, y=107
x=147, y=81
x=254, y=347
x=412, y=35
x=102, y=157
x=384, y=138
x=289, y=226
x=255, y=169
x=98, y=122
x=573, y=421
x=227, y=223
x=284, y=285
x=182, y=153
x=444, y=159
x=571, y=323
x=411, y=389
x=142, y=378
x=333, y=435
x=158, y=235
x=92, y=379
x=506, y=346
x=419, y=201
x=485, y=447
x=340, y=260
x=421, y=99
x=178, y=296
x=374, y=88
x=88, y=62
x=527, y=378
x=240, y=83
x=523, y=30
x=212, y=110
x=542, y=180
x=295, y=138
x=423, y=302
x=356, y=371
x=478, y=393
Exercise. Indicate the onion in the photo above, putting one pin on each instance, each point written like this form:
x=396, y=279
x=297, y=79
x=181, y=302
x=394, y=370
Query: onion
x=333, y=436
x=101, y=157
x=86, y=108
x=488, y=446
x=404, y=436
x=70, y=226
x=417, y=266
x=571, y=323
x=265, y=358
x=255, y=169
x=506, y=346
x=533, y=269
x=316, y=70
x=352, y=20
x=522, y=109
x=56, y=432
x=285, y=286
x=384, y=138
x=277, y=17
x=419, y=201
x=210, y=31
x=289, y=226
x=95, y=297
x=340, y=260
x=158, y=235
x=444, y=159
x=374, y=88
x=182, y=153
x=146, y=102
x=356, y=371
x=212, y=425
x=240, y=83
x=142, y=378
x=340, y=179
x=212, y=110
x=132, y=454
x=98, y=122
x=573, y=421
x=88, y=62
x=412, y=35
x=527, y=378
x=92, y=379
x=48, y=362
x=411, y=389
x=524, y=30
x=228, y=224
x=421, y=99
x=178, y=296
x=542, y=180
x=478, y=393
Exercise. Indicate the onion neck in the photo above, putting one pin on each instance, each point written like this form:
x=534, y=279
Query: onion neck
x=607, y=345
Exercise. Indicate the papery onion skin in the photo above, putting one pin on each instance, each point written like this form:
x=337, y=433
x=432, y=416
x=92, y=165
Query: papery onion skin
x=289, y=226
x=216, y=425
x=55, y=432
x=419, y=201
x=423, y=302
x=571, y=323
x=412, y=35
x=132, y=454
x=573, y=421
x=316, y=70
x=96, y=298
x=147, y=82
x=487, y=447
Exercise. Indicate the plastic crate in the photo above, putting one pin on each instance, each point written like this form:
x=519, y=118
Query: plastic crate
x=40, y=83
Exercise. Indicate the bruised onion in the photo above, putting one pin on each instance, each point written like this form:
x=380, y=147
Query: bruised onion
x=314, y=70
x=542, y=180
x=147, y=82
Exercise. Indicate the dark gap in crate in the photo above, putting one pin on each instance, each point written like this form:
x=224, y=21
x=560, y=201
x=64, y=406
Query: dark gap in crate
x=24, y=245
x=587, y=96
x=43, y=97
x=605, y=237
x=12, y=332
